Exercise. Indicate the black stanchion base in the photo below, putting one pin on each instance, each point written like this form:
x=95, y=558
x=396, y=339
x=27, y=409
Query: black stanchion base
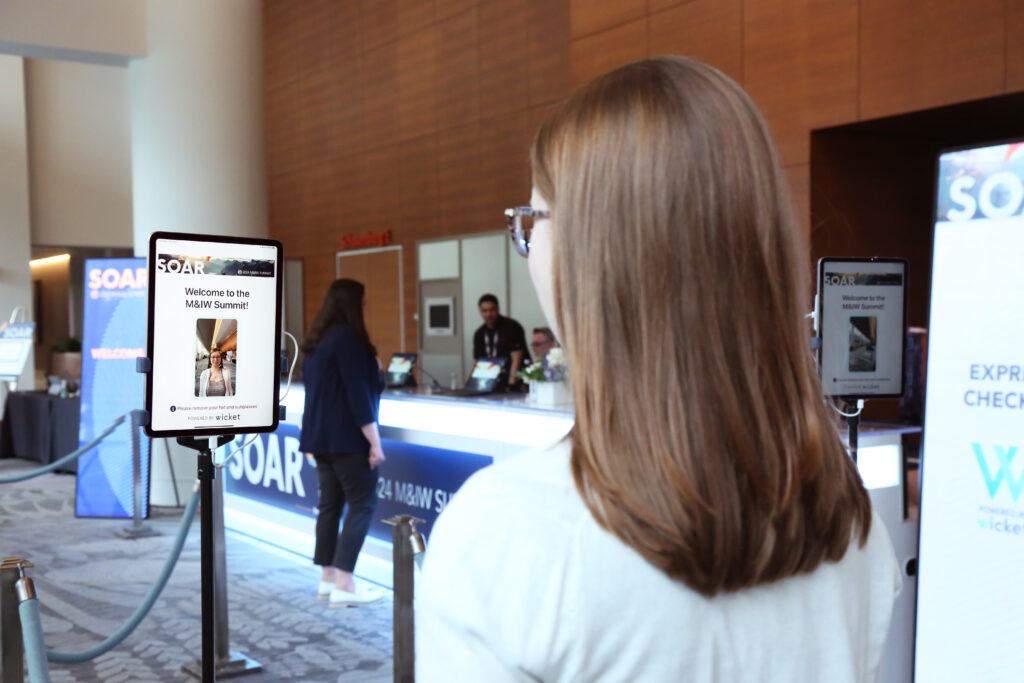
x=235, y=665
x=137, y=532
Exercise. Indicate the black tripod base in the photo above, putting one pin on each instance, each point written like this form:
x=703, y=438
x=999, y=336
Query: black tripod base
x=235, y=665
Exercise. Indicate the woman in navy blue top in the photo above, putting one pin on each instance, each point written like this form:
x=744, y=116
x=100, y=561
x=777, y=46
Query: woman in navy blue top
x=339, y=428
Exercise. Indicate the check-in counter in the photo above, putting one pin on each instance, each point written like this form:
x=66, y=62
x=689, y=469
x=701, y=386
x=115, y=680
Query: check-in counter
x=433, y=443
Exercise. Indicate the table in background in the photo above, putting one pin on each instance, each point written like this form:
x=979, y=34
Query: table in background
x=40, y=427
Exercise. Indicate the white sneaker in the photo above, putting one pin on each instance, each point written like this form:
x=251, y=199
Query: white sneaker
x=324, y=591
x=364, y=595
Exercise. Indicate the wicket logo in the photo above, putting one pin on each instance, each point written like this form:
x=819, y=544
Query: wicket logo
x=994, y=479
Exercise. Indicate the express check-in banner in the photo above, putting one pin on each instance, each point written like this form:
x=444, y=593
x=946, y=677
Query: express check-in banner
x=972, y=516
x=415, y=480
x=114, y=335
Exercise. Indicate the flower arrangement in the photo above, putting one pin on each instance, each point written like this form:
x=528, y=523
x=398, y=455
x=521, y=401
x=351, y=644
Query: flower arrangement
x=551, y=367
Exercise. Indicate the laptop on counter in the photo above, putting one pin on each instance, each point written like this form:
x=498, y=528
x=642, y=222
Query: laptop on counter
x=487, y=376
x=399, y=371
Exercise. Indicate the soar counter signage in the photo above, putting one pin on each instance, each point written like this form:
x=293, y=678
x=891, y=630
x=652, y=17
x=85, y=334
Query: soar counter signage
x=415, y=480
x=972, y=517
x=114, y=321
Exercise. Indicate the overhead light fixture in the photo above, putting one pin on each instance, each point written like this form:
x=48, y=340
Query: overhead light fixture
x=49, y=259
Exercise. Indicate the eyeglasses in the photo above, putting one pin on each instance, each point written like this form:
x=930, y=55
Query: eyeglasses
x=520, y=224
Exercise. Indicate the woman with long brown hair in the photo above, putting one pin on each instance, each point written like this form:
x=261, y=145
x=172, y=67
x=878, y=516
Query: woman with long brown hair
x=702, y=521
x=339, y=427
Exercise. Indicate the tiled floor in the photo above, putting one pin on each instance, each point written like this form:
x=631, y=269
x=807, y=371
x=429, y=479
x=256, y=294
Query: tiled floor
x=89, y=581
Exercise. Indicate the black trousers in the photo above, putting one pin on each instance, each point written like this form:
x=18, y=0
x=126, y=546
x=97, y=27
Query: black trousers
x=343, y=479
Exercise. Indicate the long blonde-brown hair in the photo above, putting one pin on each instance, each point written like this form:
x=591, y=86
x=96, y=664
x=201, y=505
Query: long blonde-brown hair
x=680, y=286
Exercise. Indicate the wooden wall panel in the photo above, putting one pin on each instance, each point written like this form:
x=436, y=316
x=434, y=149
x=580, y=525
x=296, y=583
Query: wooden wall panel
x=548, y=50
x=416, y=115
x=1014, y=46
x=596, y=54
x=799, y=177
x=415, y=81
x=593, y=16
x=504, y=167
x=781, y=40
x=379, y=184
x=708, y=30
x=379, y=94
x=379, y=22
x=315, y=116
x=458, y=69
x=417, y=182
x=414, y=15
x=459, y=182
x=344, y=23
x=281, y=114
x=917, y=54
x=447, y=8
x=504, y=56
x=344, y=91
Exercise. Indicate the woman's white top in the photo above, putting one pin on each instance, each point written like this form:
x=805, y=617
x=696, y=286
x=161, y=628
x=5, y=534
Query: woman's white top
x=520, y=584
x=204, y=382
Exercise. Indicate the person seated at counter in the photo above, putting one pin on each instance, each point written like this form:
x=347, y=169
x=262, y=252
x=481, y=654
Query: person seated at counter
x=500, y=337
x=542, y=342
x=702, y=520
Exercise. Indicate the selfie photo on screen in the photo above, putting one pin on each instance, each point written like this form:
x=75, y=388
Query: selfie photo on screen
x=216, y=352
x=863, y=336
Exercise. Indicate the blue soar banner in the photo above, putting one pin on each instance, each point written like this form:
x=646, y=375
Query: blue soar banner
x=415, y=480
x=114, y=319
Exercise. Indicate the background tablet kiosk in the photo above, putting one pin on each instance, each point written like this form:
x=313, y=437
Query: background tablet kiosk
x=862, y=326
x=207, y=296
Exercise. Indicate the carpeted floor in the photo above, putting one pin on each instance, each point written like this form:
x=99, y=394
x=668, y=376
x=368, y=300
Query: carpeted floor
x=89, y=581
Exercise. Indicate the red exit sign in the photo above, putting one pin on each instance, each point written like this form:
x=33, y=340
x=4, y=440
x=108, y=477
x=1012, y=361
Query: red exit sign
x=370, y=239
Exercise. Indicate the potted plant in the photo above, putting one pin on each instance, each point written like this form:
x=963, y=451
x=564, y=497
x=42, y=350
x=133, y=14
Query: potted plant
x=66, y=357
x=548, y=377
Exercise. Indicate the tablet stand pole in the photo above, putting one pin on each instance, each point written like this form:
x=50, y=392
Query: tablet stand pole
x=217, y=659
x=206, y=474
x=852, y=423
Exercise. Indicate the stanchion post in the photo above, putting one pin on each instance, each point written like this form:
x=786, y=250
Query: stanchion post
x=137, y=529
x=404, y=615
x=12, y=647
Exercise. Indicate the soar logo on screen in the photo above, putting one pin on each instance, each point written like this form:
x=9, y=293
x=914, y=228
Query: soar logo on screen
x=1003, y=472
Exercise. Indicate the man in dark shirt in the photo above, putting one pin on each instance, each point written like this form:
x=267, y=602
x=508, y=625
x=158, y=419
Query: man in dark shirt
x=500, y=337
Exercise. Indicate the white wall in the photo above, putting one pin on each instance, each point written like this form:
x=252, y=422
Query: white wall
x=438, y=260
x=79, y=154
x=15, y=251
x=197, y=121
x=196, y=112
x=484, y=271
x=109, y=31
x=523, y=304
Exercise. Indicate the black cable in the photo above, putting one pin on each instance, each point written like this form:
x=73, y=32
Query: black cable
x=419, y=364
x=170, y=464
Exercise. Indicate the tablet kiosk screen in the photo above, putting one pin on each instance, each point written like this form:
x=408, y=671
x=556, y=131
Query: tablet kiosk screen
x=214, y=335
